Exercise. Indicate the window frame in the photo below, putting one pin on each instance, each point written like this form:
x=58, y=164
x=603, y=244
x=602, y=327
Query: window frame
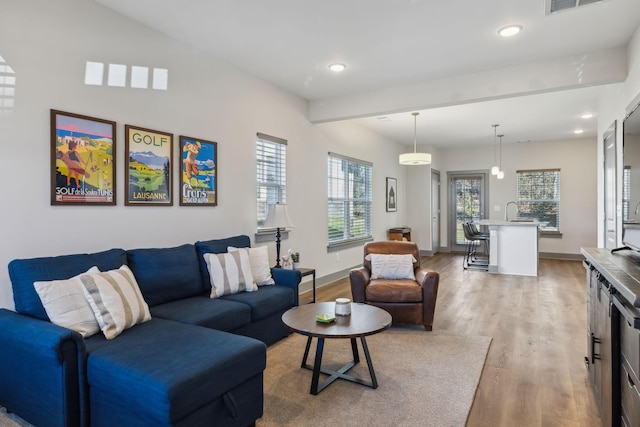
x=348, y=200
x=279, y=185
x=546, y=231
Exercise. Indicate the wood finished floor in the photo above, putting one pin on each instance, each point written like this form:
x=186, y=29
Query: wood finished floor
x=535, y=373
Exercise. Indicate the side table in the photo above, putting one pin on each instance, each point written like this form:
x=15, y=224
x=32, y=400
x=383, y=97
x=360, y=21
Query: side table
x=400, y=233
x=306, y=272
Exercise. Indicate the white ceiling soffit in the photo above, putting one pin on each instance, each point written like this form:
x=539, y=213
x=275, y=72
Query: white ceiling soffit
x=553, y=6
x=415, y=55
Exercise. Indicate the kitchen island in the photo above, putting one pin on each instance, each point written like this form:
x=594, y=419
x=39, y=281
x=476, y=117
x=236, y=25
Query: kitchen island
x=513, y=246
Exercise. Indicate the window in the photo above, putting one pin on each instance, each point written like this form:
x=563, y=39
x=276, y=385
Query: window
x=349, y=200
x=271, y=173
x=538, y=196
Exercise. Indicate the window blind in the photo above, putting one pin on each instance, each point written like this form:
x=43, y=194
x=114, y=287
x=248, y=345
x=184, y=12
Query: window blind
x=349, y=199
x=538, y=197
x=271, y=173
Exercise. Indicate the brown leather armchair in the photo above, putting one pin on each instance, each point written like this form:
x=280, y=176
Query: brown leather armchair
x=407, y=301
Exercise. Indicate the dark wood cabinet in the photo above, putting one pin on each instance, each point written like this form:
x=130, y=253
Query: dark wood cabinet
x=613, y=331
x=629, y=332
x=601, y=343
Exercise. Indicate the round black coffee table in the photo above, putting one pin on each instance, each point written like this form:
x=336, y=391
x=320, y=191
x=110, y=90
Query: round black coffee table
x=364, y=320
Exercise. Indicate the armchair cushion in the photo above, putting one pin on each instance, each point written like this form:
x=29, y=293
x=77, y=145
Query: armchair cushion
x=400, y=290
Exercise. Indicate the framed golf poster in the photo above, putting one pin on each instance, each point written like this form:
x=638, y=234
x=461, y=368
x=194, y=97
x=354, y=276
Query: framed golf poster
x=148, y=165
x=82, y=160
x=198, y=172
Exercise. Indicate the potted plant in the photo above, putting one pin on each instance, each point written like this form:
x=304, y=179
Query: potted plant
x=295, y=258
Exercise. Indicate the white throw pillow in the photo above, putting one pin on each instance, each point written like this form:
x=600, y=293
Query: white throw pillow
x=66, y=306
x=229, y=273
x=116, y=300
x=259, y=261
x=391, y=266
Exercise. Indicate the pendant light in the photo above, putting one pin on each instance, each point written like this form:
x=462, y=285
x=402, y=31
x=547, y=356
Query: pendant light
x=415, y=158
x=495, y=169
x=500, y=172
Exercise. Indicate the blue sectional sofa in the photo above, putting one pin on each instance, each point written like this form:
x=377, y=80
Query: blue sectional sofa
x=198, y=361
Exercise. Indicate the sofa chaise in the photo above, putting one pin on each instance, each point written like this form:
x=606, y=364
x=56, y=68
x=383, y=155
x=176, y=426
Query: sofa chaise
x=193, y=361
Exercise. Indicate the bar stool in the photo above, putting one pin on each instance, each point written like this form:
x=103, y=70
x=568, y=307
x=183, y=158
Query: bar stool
x=483, y=235
x=471, y=258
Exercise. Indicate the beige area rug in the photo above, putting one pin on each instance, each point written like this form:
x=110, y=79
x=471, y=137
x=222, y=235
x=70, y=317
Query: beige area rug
x=11, y=420
x=424, y=379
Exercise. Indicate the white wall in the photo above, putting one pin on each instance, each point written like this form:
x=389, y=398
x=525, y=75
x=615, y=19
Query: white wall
x=47, y=44
x=419, y=198
x=576, y=160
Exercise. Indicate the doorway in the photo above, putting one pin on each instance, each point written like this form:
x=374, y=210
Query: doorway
x=435, y=211
x=467, y=202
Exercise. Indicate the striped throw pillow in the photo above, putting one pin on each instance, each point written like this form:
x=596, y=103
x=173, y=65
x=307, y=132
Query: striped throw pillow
x=230, y=273
x=259, y=261
x=65, y=304
x=116, y=300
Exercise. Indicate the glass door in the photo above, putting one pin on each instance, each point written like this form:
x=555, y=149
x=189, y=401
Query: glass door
x=467, y=203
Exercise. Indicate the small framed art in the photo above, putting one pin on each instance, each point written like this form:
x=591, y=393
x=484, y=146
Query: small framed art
x=82, y=160
x=148, y=165
x=392, y=195
x=198, y=172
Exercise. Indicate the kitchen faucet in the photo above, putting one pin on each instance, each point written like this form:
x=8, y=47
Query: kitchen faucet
x=506, y=213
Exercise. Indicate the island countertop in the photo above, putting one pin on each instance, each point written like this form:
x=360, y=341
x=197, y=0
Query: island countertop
x=511, y=222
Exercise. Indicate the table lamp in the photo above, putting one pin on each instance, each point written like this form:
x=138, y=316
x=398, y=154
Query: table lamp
x=278, y=218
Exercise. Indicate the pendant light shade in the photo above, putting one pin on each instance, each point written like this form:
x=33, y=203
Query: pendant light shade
x=415, y=158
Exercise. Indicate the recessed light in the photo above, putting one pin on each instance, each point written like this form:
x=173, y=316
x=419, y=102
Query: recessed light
x=509, y=30
x=336, y=68
x=586, y=116
x=578, y=131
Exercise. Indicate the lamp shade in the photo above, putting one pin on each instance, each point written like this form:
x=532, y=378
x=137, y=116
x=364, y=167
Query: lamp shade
x=278, y=217
x=415, y=158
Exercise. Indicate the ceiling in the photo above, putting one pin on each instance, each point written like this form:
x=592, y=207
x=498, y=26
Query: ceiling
x=391, y=46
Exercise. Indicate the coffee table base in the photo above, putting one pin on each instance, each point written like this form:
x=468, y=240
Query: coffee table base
x=317, y=387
